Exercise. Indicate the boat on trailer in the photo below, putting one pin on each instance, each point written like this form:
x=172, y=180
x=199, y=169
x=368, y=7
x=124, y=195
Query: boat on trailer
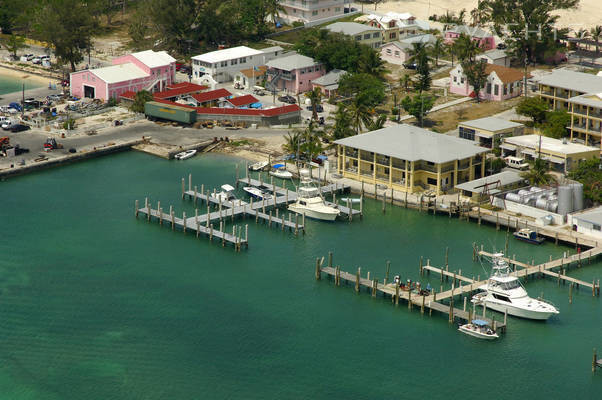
x=185, y=154
x=258, y=166
x=480, y=329
x=529, y=236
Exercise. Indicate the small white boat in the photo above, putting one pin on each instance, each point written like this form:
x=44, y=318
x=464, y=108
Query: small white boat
x=258, y=166
x=479, y=329
x=185, y=154
x=257, y=193
x=503, y=292
x=350, y=199
x=279, y=171
x=310, y=202
x=227, y=194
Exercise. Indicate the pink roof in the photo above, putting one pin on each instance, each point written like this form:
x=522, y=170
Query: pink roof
x=211, y=95
x=242, y=100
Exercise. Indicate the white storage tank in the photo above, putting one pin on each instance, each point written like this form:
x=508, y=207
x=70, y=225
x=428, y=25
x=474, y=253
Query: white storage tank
x=552, y=206
x=541, y=203
x=577, y=196
x=565, y=200
x=515, y=197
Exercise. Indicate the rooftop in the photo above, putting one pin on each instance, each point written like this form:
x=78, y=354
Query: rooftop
x=227, y=54
x=494, y=54
x=350, y=28
x=593, y=216
x=271, y=49
x=330, y=79
x=491, y=124
x=592, y=100
x=295, y=61
x=507, y=75
x=119, y=73
x=242, y=100
x=501, y=179
x=571, y=80
x=420, y=38
x=472, y=31
x=548, y=144
x=153, y=59
x=408, y=142
x=179, y=89
x=251, y=72
x=211, y=95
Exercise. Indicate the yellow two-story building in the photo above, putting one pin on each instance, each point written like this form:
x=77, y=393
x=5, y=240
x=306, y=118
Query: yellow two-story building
x=559, y=86
x=586, y=118
x=410, y=159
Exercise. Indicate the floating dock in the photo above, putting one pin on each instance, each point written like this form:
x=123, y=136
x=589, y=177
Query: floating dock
x=219, y=211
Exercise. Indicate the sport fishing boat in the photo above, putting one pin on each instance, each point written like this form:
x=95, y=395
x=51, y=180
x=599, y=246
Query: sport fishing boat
x=258, y=166
x=310, y=202
x=257, y=193
x=279, y=171
x=185, y=154
x=504, y=292
x=227, y=194
x=529, y=236
x=479, y=329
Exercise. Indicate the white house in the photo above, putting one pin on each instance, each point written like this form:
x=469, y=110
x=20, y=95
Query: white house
x=497, y=57
x=222, y=65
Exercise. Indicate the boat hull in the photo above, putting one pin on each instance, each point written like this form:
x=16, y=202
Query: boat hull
x=477, y=334
x=323, y=216
x=519, y=312
x=185, y=155
x=532, y=241
x=281, y=175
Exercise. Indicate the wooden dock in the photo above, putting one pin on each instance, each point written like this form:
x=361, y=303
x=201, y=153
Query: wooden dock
x=424, y=303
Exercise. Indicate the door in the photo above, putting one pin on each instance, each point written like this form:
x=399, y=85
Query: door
x=89, y=91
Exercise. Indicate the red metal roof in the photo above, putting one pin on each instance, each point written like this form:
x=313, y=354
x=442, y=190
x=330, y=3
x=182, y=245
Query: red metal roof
x=179, y=89
x=128, y=95
x=211, y=95
x=271, y=112
x=242, y=100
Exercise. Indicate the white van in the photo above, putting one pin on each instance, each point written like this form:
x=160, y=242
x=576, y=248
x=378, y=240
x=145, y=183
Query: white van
x=516, y=162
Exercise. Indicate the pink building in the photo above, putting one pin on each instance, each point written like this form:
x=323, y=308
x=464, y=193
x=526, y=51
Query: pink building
x=502, y=83
x=485, y=39
x=293, y=74
x=146, y=70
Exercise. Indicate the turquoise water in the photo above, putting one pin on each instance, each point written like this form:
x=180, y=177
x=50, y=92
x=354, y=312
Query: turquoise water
x=10, y=84
x=95, y=304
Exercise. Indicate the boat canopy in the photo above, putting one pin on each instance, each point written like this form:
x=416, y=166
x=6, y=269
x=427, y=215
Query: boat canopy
x=228, y=188
x=479, y=322
x=322, y=157
x=278, y=166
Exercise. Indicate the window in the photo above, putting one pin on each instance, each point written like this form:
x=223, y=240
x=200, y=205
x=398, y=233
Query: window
x=242, y=60
x=396, y=53
x=224, y=64
x=501, y=298
x=376, y=34
x=466, y=133
x=462, y=80
x=314, y=12
x=596, y=227
x=389, y=51
x=431, y=181
x=233, y=62
x=496, y=90
x=302, y=71
x=392, y=35
x=489, y=88
x=367, y=36
x=455, y=79
x=505, y=90
x=358, y=37
x=337, y=9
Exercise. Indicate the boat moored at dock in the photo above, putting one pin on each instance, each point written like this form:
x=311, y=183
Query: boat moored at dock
x=279, y=171
x=310, y=201
x=479, y=329
x=185, y=154
x=529, y=236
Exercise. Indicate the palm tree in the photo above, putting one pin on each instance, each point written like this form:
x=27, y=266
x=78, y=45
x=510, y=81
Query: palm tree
x=342, y=124
x=360, y=114
x=371, y=63
x=438, y=48
x=417, y=52
x=596, y=34
x=376, y=123
x=273, y=9
x=315, y=96
x=292, y=142
x=311, y=144
x=405, y=81
x=465, y=48
x=538, y=174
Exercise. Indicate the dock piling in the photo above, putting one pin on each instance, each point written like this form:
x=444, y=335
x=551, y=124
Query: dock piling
x=136, y=208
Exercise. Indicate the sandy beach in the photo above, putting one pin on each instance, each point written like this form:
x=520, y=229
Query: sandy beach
x=588, y=13
x=21, y=75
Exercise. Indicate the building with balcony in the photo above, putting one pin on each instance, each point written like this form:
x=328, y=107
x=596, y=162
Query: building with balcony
x=562, y=155
x=293, y=74
x=586, y=119
x=361, y=33
x=410, y=159
x=223, y=65
x=489, y=131
x=559, y=86
x=306, y=11
x=484, y=39
x=502, y=83
x=395, y=26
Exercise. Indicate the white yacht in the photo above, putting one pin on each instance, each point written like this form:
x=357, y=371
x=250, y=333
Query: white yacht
x=504, y=292
x=310, y=201
x=227, y=194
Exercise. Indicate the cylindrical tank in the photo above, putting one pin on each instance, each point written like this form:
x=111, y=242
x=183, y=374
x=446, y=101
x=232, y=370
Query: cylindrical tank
x=514, y=197
x=535, y=189
x=577, y=196
x=541, y=203
x=523, y=192
x=565, y=200
x=552, y=206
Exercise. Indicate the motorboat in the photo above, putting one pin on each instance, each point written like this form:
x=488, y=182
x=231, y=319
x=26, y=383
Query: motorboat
x=503, y=292
x=257, y=193
x=227, y=195
x=310, y=202
x=185, y=154
x=529, y=236
x=479, y=329
x=353, y=200
x=258, y=166
x=279, y=171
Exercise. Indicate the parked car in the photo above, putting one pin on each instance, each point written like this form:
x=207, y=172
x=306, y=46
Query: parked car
x=186, y=70
x=36, y=60
x=19, y=128
x=319, y=108
x=287, y=99
x=28, y=57
x=501, y=46
x=410, y=65
x=6, y=124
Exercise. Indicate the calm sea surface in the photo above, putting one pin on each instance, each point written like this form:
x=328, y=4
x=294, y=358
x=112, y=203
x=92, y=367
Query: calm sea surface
x=9, y=84
x=95, y=304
